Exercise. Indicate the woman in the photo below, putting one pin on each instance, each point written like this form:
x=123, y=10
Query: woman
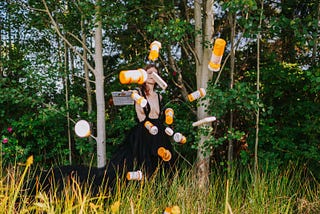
x=139, y=150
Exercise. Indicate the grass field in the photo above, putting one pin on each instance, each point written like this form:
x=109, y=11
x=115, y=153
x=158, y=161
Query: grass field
x=292, y=190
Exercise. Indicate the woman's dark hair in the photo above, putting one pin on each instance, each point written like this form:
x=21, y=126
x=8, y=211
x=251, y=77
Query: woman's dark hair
x=148, y=66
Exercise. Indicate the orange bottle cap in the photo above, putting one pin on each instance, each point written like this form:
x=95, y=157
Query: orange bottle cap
x=167, y=156
x=167, y=210
x=183, y=140
x=161, y=151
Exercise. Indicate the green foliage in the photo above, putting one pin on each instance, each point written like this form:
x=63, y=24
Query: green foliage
x=183, y=118
x=11, y=151
x=245, y=5
x=242, y=101
x=170, y=31
x=290, y=116
x=313, y=74
x=32, y=69
x=36, y=129
x=120, y=121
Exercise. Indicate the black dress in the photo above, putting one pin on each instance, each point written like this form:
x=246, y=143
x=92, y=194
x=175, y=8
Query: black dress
x=139, y=151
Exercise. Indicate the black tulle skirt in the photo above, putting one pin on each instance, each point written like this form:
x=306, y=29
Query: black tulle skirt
x=139, y=151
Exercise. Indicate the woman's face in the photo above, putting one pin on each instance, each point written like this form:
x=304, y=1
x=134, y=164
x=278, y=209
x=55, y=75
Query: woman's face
x=150, y=80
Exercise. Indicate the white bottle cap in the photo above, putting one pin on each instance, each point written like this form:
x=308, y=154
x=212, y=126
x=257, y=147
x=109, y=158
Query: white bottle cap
x=82, y=128
x=169, y=131
x=139, y=99
x=177, y=137
x=153, y=130
x=156, y=43
x=143, y=103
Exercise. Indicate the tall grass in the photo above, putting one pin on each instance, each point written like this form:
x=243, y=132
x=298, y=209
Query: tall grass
x=292, y=190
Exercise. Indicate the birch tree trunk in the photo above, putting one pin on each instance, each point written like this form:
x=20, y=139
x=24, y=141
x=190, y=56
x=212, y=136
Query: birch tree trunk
x=66, y=83
x=232, y=21
x=1, y=50
x=316, y=39
x=258, y=97
x=85, y=67
x=99, y=82
x=64, y=78
x=99, y=78
x=204, y=26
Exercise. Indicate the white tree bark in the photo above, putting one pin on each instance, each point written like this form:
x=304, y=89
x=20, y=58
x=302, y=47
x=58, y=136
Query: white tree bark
x=85, y=67
x=316, y=39
x=99, y=82
x=99, y=79
x=256, y=144
x=203, y=54
x=232, y=21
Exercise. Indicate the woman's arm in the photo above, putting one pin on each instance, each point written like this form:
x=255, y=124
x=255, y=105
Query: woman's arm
x=140, y=113
x=139, y=110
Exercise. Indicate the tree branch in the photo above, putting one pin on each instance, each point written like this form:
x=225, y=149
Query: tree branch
x=56, y=27
x=83, y=44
